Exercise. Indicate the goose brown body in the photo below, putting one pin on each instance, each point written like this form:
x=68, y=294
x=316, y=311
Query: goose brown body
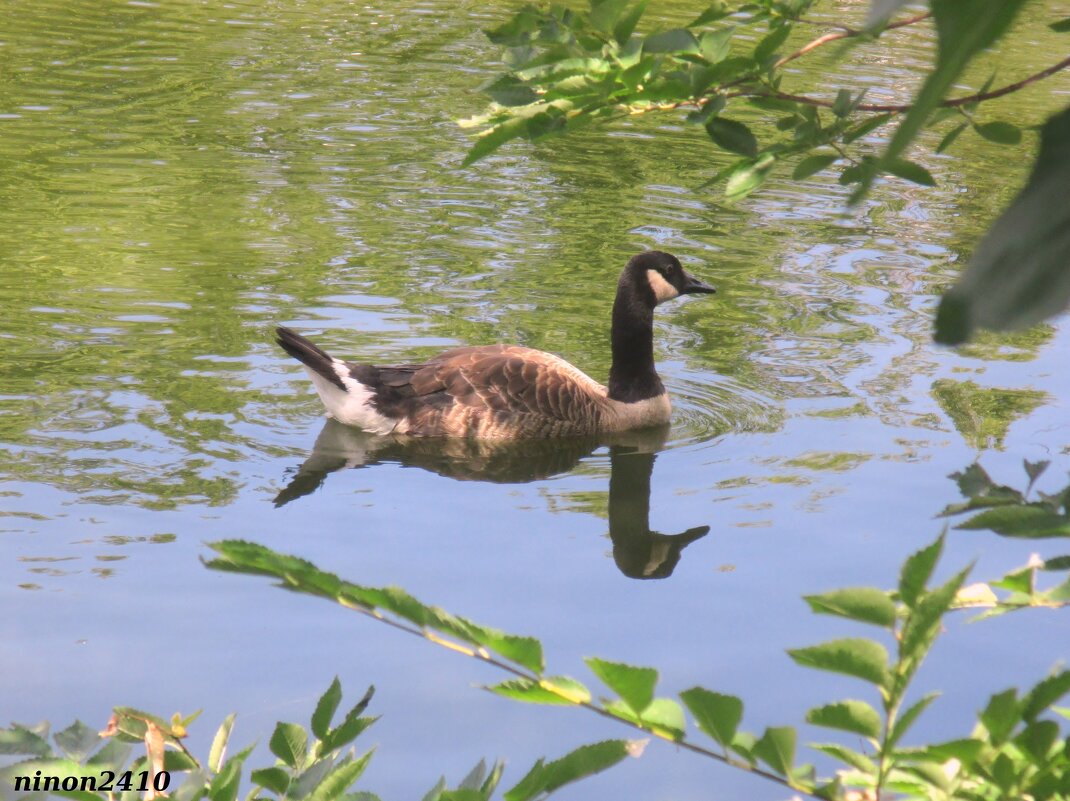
x=510, y=391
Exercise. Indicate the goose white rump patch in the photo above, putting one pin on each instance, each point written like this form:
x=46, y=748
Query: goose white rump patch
x=353, y=405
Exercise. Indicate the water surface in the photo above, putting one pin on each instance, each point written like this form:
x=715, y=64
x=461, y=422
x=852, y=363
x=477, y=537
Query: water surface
x=177, y=178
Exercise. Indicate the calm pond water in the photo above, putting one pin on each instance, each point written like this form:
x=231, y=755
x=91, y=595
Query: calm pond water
x=176, y=178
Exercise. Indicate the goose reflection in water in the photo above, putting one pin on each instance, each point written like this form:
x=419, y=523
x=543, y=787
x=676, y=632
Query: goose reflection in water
x=639, y=552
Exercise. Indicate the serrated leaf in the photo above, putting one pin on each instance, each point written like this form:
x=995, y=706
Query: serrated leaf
x=848, y=756
x=289, y=742
x=340, y=778
x=77, y=740
x=776, y=748
x=219, y=744
x=508, y=90
x=325, y=709
x=716, y=714
x=560, y=690
x=346, y=732
x=1031, y=521
x=665, y=717
x=22, y=740
x=906, y=720
x=864, y=604
x=1003, y=133
x=635, y=685
x=1000, y=715
x=812, y=165
x=545, y=777
x=733, y=136
x=604, y=14
x=275, y=779
x=1044, y=694
x=224, y=785
x=677, y=40
x=917, y=570
x=853, y=716
x=861, y=658
x=494, y=138
x=923, y=622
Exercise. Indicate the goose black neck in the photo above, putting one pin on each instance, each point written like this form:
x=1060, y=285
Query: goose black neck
x=632, y=376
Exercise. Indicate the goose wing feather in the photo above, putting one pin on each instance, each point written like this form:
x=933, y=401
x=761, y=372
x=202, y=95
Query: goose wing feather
x=502, y=385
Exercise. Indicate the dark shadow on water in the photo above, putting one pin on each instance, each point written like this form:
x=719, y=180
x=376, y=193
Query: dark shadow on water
x=639, y=552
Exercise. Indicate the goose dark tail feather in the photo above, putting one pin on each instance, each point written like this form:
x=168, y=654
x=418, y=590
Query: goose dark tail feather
x=310, y=355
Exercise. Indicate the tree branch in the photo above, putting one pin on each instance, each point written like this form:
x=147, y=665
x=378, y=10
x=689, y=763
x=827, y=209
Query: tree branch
x=845, y=33
x=898, y=108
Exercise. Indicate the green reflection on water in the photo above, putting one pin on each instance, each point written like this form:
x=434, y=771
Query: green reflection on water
x=178, y=177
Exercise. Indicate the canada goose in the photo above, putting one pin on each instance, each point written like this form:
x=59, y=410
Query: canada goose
x=506, y=391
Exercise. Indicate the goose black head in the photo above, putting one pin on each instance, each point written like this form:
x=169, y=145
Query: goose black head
x=665, y=278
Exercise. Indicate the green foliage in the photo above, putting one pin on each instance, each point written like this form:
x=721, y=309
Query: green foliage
x=1015, y=750
x=567, y=68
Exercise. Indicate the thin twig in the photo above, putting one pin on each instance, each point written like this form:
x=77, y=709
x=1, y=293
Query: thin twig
x=845, y=33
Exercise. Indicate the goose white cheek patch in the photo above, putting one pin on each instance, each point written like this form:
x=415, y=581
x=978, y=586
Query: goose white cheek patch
x=663, y=290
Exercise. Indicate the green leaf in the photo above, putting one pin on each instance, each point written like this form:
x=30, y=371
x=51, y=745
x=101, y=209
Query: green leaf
x=963, y=30
x=677, y=40
x=870, y=125
x=1001, y=715
x=861, y=658
x=1002, y=132
x=1031, y=521
x=713, y=12
x=560, y=690
x=20, y=740
x=732, y=136
x=1062, y=26
x=508, y=90
x=325, y=708
x=841, y=106
x=275, y=779
x=1046, y=693
x=665, y=717
x=1018, y=275
x=604, y=14
x=910, y=171
x=494, y=138
x=224, y=785
x=77, y=740
x=219, y=744
x=864, y=604
x=848, y=757
x=340, y=778
x=776, y=748
x=747, y=175
x=951, y=136
x=1038, y=739
x=544, y=778
x=768, y=46
x=289, y=743
x=716, y=714
x=635, y=685
x=623, y=30
x=716, y=45
x=923, y=622
x=917, y=570
x=906, y=720
x=853, y=716
x=346, y=732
